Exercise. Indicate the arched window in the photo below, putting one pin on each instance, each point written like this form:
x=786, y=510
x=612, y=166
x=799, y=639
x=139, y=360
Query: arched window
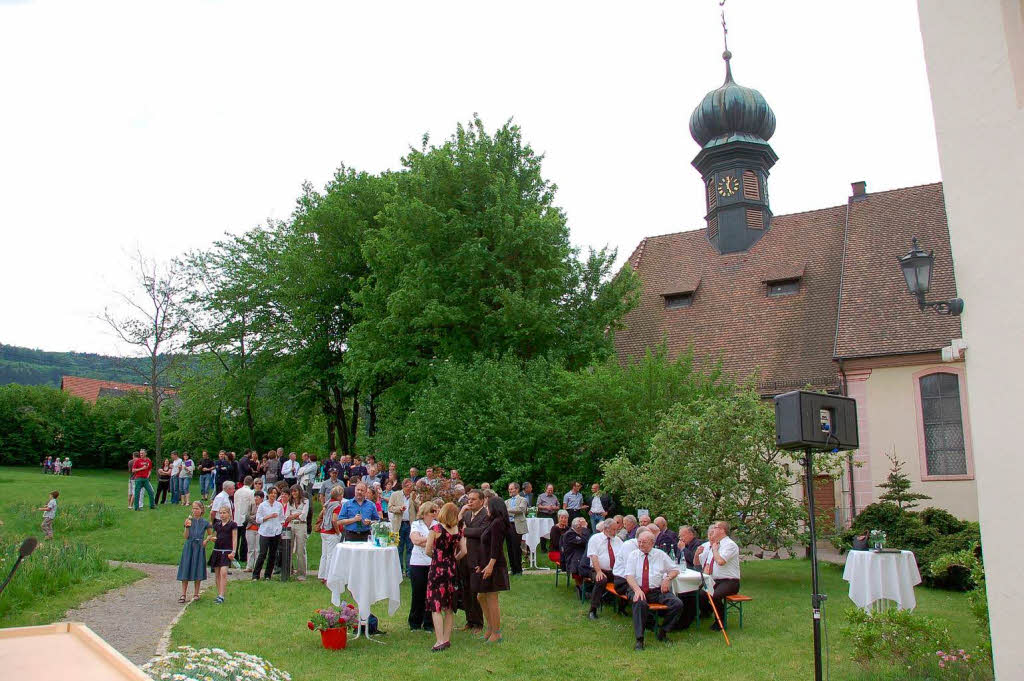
x=945, y=444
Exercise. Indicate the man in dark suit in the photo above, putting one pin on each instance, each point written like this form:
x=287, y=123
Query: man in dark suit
x=666, y=539
x=574, y=548
x=474, y=522
x=687, y=546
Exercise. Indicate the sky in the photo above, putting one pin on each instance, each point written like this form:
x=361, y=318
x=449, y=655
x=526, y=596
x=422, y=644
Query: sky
x=161, y=126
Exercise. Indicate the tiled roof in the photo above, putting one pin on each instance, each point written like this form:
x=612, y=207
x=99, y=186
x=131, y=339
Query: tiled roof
x=877, y=316
x=90, y=389
x=789, y=340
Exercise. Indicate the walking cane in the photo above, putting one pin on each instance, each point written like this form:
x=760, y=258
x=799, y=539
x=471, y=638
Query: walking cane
x=703, y=587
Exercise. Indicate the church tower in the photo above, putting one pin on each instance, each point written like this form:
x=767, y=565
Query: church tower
x=733, y=125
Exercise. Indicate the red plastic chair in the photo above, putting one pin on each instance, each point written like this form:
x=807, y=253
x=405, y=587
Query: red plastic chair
x=556, y=558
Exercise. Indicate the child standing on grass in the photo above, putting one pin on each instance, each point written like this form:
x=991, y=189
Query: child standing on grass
x=192, y=567
x=49, y=513
x=223, y=550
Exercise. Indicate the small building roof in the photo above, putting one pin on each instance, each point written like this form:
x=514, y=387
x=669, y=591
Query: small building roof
x=91, y=389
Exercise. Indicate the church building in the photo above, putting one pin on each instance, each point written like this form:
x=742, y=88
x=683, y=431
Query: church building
x=814, y=299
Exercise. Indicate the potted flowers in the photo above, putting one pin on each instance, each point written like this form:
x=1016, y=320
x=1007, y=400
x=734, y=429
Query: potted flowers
x=331, y=624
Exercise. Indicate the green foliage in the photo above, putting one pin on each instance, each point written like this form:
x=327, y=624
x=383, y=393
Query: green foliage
x=472, y=257
x=505, y=419
x=76, y=517
x=897, y=637
x=714, y=458
x=931, y=534
x=954, y=570
x=897, y=485
x=52, y=568
x=26, y=366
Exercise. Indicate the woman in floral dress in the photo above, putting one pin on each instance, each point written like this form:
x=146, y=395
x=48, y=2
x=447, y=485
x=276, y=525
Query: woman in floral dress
x=445, y=546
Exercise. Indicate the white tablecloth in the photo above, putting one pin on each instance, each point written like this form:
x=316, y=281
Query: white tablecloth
x=689, y=581
x=537, y=529
x=873, y=576
x=369, y=572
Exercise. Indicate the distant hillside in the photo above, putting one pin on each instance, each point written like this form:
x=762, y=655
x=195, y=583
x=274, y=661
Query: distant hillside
x=38, y=367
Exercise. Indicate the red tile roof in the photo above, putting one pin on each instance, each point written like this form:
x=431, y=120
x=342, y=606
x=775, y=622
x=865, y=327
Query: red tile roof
x=877, y=316
x=89, y=388
x=790, y=340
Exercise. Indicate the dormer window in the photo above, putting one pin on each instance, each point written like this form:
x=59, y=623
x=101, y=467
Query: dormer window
x=675, y=301
x=786, y=287
x=681, y=293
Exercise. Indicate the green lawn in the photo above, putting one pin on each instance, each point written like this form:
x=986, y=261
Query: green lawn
x=546, y=630
x=547, y=633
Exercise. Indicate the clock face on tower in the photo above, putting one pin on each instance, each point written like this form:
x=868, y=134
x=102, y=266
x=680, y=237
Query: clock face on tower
x=728, y=185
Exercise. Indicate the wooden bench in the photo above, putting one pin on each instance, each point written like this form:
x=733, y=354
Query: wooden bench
x=735, y=602
x=656, y=607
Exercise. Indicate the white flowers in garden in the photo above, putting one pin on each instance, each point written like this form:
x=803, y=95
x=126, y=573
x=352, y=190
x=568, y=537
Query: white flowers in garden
x=211, y=664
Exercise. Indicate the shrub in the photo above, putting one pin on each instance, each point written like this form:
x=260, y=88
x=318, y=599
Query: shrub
x=942, y=520
x=895, y=636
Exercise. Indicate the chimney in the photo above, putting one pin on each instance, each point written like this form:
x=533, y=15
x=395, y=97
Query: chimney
x=860, y=190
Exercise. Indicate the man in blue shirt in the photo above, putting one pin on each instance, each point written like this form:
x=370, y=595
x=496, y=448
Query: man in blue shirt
x=356, y=515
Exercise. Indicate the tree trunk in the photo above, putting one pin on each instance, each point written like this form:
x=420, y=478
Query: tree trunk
x=355, y=419
x=371, y=417
x=249, y=422
x=330, y=435
x=339, y=420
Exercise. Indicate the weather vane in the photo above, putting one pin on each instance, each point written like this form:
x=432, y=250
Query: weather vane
x=725, y=29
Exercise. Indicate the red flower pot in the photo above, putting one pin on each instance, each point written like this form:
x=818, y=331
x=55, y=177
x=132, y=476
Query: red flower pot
x=334, y=639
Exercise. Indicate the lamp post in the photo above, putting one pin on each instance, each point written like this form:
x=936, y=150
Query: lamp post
x=917, y=270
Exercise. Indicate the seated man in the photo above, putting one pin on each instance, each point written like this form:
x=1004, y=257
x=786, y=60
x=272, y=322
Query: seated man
x=619, y=571
x=629, y=528
x=603, y=552
x=666, y=539
x=687, y=547
x=720, y=558
x=574, y=546
x=649, y=573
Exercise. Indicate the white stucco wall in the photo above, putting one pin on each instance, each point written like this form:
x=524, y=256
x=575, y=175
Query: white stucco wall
x=975, y=57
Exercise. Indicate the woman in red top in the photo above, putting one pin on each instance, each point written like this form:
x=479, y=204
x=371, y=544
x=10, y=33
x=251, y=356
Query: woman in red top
x=330, y=531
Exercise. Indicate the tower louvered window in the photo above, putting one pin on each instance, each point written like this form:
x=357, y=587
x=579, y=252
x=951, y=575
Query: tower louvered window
x=750, y=188
x=712, y=196
x=755, y=219
x=713, y=227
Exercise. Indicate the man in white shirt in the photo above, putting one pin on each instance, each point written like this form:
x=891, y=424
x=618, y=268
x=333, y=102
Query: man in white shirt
x=175, y=475
x=244, y=499
x=290, y=470
x=619, y=571
x=604, y=552
x=223, y=500
x=719, y=557
x=649, y=573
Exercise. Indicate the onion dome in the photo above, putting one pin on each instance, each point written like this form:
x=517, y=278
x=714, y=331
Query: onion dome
x=732, y=113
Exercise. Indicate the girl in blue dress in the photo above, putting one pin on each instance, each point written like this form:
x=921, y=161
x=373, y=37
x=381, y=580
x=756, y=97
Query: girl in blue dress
x=192, y=567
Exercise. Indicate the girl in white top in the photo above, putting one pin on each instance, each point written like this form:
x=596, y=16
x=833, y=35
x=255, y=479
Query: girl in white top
x=268, y=515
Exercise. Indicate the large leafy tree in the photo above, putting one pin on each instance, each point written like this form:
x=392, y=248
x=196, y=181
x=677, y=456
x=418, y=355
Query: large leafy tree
x=472, y=256
x=320, y=269
x=231, y=312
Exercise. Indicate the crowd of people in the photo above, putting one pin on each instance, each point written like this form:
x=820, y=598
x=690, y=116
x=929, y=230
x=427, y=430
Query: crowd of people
x=54, y=465
x=457, y=544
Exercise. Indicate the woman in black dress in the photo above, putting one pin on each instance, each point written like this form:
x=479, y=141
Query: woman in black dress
x=492, y=578
x=223, y=551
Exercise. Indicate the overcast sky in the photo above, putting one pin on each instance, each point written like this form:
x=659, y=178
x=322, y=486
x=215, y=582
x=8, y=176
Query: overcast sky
x=163, y=125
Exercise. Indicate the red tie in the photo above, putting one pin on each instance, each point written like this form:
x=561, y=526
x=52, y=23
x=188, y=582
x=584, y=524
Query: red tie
x=611, y=556
x=645, y=581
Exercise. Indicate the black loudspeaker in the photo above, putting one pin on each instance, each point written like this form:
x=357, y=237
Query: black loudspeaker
x=805, y=419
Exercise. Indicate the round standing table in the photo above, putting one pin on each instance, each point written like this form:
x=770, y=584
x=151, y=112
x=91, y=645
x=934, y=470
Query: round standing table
x=877, y=577
x=537, y=529
x=370, y=573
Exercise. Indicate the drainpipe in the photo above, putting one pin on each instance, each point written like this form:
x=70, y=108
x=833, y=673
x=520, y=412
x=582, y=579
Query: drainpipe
x=849, y=457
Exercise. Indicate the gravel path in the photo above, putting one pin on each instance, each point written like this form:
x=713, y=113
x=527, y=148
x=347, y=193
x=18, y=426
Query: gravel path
x=135, y=618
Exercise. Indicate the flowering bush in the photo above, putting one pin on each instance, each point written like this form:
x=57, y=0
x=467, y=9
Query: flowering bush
x=897, y=636
x=211, y=664
x=331, y=618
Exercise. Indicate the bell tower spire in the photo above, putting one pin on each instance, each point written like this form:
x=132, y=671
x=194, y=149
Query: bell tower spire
x=733, y=125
